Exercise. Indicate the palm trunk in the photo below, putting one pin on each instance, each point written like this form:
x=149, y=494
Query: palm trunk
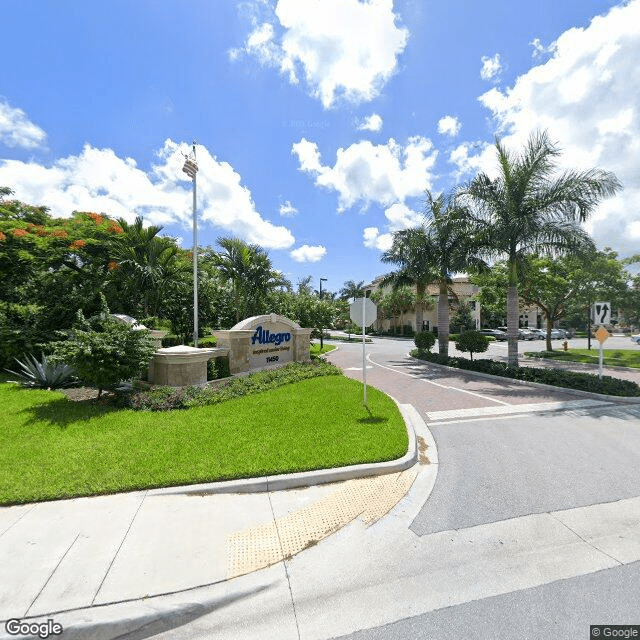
x=443, y=319
x=419, y=312
x=512, y=325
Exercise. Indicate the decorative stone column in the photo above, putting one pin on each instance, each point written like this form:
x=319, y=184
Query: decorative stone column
x=181, y=366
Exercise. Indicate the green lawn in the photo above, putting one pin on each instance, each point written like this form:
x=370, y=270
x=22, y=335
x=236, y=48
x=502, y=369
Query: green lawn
x=614, y=357
x=316, y=351
x=52, y=448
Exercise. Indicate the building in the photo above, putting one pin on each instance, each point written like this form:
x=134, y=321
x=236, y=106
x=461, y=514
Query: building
x=461, y=291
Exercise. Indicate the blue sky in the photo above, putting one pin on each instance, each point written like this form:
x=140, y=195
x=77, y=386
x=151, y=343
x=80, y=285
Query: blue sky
x=319, y=123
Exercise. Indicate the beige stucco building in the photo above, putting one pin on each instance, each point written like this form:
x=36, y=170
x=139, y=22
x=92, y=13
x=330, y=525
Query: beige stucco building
x=462, y=291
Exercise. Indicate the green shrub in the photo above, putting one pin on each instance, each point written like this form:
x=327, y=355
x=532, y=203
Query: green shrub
x=424, y=340
x=556, y=377
x=104, y=352
x=218, y=368
x=167, y=398
x=171, y=340
x=472, y=341
x=43, y=374
x=207, y=341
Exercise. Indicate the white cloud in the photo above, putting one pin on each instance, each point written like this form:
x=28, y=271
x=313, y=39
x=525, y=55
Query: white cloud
x=449, y=125
x=373, y=239
x=287, y=210
x=586, y=96
x=16, y=130
x=539, y=50
x=324, y=43
x=367, y=173
x=307, y=253
x=491, y=67
x=371, y=123
x=399, y=217
x=99, y=180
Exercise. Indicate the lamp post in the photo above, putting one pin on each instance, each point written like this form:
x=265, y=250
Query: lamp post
x=191, y=169
x=321, y=328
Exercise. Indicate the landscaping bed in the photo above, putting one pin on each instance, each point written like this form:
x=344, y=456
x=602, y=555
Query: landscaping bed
x=611, y=357
x=556, y=377
x=52, y=447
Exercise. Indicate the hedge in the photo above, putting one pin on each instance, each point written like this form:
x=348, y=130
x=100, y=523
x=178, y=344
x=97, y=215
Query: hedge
x=556, y=377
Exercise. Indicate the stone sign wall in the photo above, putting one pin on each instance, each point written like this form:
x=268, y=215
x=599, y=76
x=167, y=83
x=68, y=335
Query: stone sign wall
x=264, y=341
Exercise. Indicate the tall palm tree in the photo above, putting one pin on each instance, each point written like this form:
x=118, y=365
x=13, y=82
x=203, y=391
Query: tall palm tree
x=248, y=268
x=443, y=245
x=352, y=289
x=529, y=207
x=146, y=262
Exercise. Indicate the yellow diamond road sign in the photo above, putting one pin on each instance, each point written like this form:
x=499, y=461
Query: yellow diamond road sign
x=602, y=334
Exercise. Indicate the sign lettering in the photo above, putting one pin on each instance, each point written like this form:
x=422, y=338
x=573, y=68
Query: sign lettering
x=264, y=336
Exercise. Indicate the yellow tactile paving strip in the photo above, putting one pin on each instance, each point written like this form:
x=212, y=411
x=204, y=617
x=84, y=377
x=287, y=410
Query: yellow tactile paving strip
x=265, y=544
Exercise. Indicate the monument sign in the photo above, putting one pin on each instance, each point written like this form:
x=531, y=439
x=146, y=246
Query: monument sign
x=264, y=341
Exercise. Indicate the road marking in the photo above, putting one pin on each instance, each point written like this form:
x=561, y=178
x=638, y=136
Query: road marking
x=437, y=384
x=515, y=408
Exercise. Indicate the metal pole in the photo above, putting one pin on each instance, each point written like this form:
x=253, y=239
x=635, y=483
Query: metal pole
x=195, y=260
x=589, y=324
x=321, y=329
x=364, y=358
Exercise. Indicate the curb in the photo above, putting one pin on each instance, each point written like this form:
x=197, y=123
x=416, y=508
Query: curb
x=610, y=366
x=541, y=385
x=283, y=482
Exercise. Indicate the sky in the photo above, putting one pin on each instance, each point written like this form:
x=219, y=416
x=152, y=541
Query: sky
x=318, y=123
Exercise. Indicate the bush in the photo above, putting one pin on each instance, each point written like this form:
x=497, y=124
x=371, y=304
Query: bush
x=171, y=340
x=473, y=342
x=218, y=368
x=44, y=374
x=556, y=377
x=407, y=330
x=424, y=340
x=167, y=398
x=104, y=352
x=207, y=341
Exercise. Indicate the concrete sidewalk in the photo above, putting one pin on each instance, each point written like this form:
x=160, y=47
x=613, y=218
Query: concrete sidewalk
x=84, y=555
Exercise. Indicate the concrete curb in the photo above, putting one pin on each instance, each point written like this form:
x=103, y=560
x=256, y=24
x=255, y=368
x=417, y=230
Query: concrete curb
x=578, y=392
x=307, y=478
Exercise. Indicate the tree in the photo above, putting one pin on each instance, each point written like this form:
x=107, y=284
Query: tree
x=528, y=208
x=248, y=269
x=463, y=317
x=103, y=351
x=352, y=289
x=443, y=245
x=473, y=342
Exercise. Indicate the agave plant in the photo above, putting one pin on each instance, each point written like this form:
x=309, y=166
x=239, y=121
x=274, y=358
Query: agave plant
x=43, y=374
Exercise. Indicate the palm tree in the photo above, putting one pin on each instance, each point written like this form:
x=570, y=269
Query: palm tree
x=248, y=268
x=352, y=289
x=147, y=262
x=443, y=245
x=530, y=208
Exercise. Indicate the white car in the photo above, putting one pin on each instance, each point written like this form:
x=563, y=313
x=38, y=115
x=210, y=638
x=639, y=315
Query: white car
x=558, y=334
x=636, y=338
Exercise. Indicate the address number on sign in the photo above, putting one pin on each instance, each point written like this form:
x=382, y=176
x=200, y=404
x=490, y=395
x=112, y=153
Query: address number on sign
x=272, y=359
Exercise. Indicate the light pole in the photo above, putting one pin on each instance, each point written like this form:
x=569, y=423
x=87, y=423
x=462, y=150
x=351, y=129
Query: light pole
x=321, y=328
x=191, y=169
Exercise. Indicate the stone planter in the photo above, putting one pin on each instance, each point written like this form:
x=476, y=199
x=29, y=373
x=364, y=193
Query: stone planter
x=182, y=366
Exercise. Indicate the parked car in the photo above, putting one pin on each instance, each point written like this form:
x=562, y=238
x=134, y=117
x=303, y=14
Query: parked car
x=636, y=338
x=558, y=334
x=496, y=333
x=526, y=334
x=538, y=334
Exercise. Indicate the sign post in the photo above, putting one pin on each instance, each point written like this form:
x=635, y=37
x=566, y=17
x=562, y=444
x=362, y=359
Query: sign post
x=601, y=335
x=363, y=312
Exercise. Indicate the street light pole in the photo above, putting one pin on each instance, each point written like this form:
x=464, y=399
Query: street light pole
x=321, y=327
x=191, y=169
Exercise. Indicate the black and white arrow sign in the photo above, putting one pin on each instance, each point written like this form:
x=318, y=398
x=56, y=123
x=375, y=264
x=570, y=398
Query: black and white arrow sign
x=602, y=312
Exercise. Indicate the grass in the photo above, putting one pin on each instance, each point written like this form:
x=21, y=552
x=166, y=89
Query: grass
x=613, y=357
x=51, y=447
x=317, y=351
